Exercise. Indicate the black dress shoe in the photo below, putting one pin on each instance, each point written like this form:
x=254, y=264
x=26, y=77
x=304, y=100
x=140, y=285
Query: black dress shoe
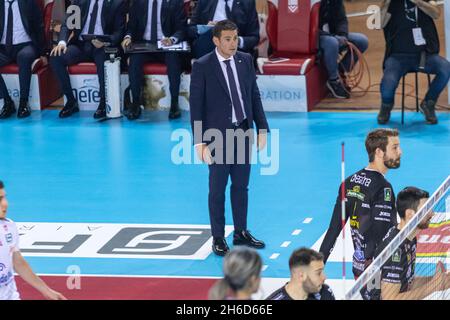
x=8, y=109
x=24, y=110
x=428, y=109
x=174, y=112
x=134, y=112
x=101, y=111
x=245, y=238
x=220, y=246
x=70, y=108
x=385, y=113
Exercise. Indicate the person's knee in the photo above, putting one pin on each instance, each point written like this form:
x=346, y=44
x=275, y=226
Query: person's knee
x=329, y=44
x=26, y=57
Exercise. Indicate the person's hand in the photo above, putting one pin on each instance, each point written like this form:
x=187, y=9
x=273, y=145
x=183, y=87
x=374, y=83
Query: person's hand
x=342, y=40
x=126, y=43
x=261, y=141
x=60, y=48
x=51, y=294
x=212, y=23
x=203, y=153
x=97, y=43
x=166, y=42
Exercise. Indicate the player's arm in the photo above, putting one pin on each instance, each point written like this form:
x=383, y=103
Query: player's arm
x=334, y=229
x=429, y=7
x=24, y=270
x=420, y=288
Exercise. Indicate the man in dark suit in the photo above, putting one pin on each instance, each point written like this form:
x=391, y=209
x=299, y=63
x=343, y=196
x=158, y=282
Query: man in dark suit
x=209, y=12
x=22, y=41
x=99, y=17
x=224, y=97
x=152, y=21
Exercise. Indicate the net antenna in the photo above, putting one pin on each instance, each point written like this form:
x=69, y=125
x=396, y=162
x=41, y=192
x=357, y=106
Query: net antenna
x=371, y=271
x=343, y=216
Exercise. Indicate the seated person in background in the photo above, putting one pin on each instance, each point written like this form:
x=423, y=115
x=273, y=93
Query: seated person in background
x=242, y=275
x=99, y=17
x=334, y=36
x=209, y=12
x=22, y=41
x=151, y=21
x=412, y=44
x=307, y=278
x=398, y=280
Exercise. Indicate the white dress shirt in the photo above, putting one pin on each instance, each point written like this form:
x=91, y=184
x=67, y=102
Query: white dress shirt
x=19, y=33
x=147, y=32
x=221, y=14
x=236, y=79
x=98, y=30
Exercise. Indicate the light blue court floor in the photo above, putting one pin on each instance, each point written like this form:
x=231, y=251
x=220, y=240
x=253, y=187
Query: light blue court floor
x=82, y=175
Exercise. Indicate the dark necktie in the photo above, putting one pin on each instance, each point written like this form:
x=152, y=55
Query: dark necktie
x=93, y=18
x=9, y=28
x=153, y=27
x=227, y=10
x=234, y=93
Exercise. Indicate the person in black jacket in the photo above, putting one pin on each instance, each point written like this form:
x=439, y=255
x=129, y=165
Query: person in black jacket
x=307, y=278
x=22, y=41
x=208, y=12
x=99, y=17
x=152, y=21
x=412, y=44
x=334, y=35
x=370, y=201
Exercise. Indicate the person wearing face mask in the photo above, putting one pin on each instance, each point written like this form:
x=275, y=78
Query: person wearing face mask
x=307, y=278
x=370, y=201
x=398, y=280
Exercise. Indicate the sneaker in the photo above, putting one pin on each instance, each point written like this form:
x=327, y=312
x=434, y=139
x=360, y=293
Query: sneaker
x=385, y=113
x=427, y=108
x=337, y=89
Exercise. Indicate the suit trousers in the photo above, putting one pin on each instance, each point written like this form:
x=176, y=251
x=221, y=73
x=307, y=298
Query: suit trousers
x=218, y=180
x=24, y=54
x=81, y=51
x=173, y=61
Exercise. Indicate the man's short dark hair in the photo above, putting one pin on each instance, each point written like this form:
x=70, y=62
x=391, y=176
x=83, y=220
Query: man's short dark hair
x=223, y=25
x=409, y=198
x=304, y=257
x=2, y=186
x=378, y=139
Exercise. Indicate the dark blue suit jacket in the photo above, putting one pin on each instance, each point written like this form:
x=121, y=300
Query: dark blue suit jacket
x=210, y=101
x=32, y=19
x=173, y=19
x=243, y=14
x=113, y=20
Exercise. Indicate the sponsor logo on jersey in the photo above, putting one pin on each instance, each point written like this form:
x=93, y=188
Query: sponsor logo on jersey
x=387, y=194
x=361, y=179
x=396, y=257
x=356, y=193
x=359, y=255
x=365, y=205
x=9, y=237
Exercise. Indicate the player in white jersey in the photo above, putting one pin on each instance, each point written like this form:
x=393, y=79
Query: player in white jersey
x=12, y=260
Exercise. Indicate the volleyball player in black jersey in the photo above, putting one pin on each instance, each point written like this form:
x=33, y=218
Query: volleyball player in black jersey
x=370, y=200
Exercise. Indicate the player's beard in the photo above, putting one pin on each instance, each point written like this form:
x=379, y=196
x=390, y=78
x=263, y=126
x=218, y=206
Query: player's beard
x=391, y=163
x=309, y=287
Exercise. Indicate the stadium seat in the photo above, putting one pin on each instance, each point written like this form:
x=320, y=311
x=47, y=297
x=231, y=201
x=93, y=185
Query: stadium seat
x=296, y=36
x=43, y=89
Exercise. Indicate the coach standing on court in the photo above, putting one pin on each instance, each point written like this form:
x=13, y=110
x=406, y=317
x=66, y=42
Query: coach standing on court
x=225, y=97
